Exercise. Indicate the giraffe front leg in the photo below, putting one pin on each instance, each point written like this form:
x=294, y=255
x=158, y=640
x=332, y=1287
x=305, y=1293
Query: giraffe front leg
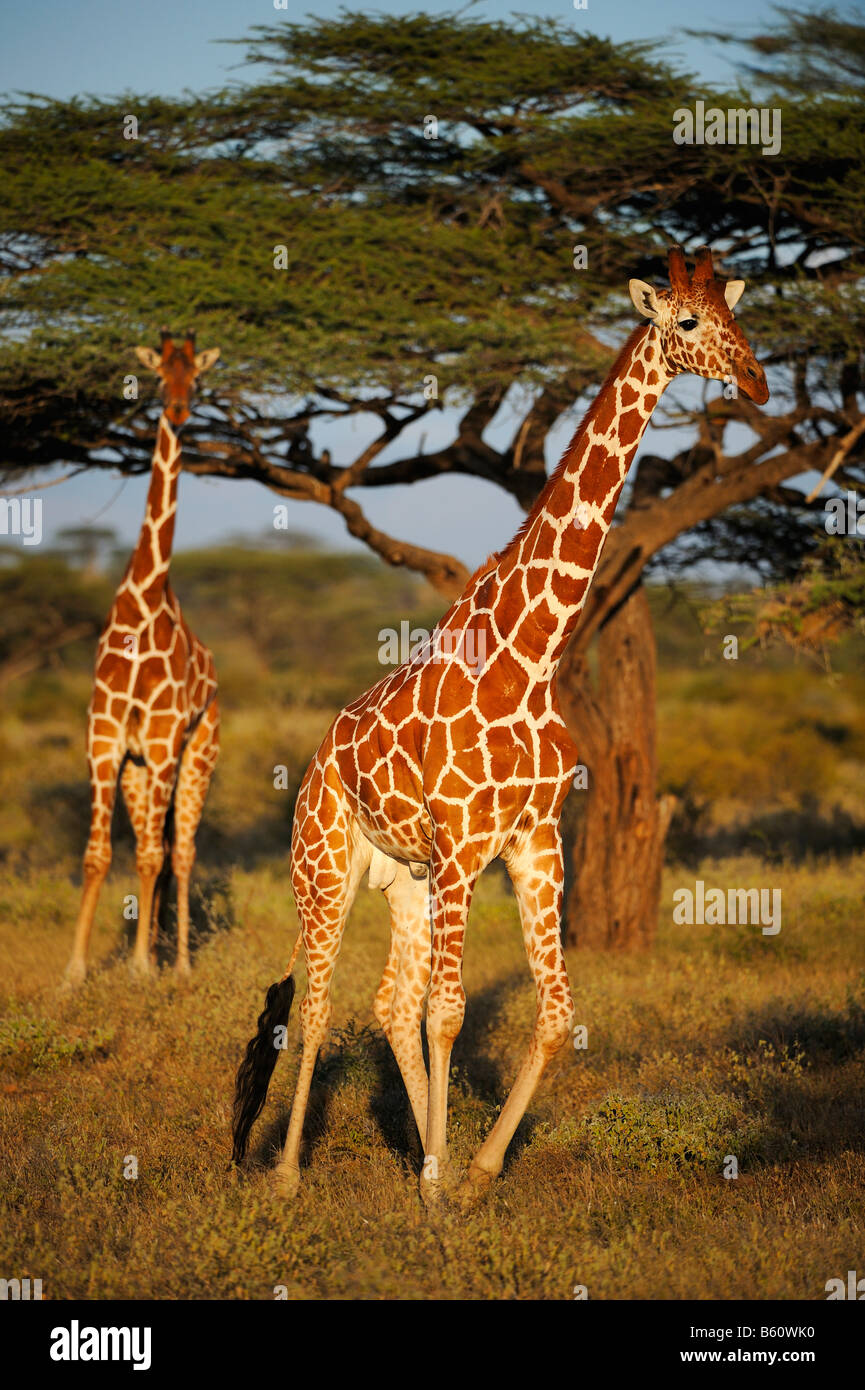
x=450, y=898
x=105, y=762
x=537, y=871
x=149, y=863
x=134, y=784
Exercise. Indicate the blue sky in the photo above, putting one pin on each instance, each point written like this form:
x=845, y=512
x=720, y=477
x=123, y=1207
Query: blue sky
x=107, y=47
x=166, y=46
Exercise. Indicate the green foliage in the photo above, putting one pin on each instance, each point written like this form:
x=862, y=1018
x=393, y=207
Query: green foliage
x=382, y=280
x=818, y=50
x=44, y=602
x=288, y=614
x=405, y=255
x=809, y=613
x=674, y=1131
x=757, y=1072
x=752, y=740
x=34, y=1042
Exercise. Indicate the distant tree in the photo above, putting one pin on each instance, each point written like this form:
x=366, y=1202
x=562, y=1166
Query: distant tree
x=287, y=538
x=89, y=546
x=44, y=607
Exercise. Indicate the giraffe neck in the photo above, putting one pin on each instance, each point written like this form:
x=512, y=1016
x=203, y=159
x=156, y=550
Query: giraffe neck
x=544, y=574
x=148, y=568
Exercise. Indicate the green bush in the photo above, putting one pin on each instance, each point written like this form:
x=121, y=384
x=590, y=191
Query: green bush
x=30, y=1042
x=671, y=1132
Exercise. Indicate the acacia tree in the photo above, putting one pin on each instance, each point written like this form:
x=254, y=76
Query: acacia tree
x=397, y=204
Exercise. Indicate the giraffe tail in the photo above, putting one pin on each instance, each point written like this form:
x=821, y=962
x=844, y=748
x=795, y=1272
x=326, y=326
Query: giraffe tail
x=256, y=1069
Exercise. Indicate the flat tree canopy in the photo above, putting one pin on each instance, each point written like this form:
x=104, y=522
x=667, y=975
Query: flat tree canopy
x=400, y=199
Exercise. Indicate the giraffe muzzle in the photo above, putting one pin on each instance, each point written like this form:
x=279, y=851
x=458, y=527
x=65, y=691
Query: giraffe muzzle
x=751, y=379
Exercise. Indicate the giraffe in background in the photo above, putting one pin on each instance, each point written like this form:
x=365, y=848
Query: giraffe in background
x=446, y=764
x=153, y=717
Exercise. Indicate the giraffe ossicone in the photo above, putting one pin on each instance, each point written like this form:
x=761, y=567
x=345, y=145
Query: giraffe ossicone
x=153, y=717
x=447, y=767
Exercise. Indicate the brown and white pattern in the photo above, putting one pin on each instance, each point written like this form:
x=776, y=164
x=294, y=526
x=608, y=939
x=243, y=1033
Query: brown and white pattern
x=153, y=718
x=446, y=764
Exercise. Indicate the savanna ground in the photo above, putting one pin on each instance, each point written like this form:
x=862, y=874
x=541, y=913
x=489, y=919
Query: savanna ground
x=720, y=1042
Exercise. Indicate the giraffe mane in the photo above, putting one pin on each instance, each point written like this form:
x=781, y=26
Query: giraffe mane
x=543, y=497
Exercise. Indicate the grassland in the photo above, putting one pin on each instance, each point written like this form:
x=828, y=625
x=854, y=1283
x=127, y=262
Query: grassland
x=721, y=1042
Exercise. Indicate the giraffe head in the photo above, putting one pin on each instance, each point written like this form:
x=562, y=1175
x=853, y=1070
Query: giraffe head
x=178, y=367
x=698, y=331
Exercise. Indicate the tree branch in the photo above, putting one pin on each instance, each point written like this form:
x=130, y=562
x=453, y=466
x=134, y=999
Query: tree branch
x=444, y=572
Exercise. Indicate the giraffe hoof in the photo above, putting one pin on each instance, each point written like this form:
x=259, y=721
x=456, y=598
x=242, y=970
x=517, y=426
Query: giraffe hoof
x=140, y=970
x=435, y=1183
x=477, y=1184
x=183, y=970
x=286, y=1181
x=73, y=978
x=431, y=1194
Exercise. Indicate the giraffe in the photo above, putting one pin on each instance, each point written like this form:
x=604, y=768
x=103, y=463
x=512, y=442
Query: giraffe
x=461, y=755
x=153, y=718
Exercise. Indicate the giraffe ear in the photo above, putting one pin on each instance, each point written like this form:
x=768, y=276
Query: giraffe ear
x=150, y=358
x=645, y=299
x=206, y=359
x=733, y=291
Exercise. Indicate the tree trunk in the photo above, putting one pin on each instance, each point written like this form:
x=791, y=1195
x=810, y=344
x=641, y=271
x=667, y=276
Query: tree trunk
x=618, y=855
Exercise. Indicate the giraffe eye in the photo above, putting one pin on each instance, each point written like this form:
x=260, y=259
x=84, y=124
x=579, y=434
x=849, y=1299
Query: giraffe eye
x=687, y=324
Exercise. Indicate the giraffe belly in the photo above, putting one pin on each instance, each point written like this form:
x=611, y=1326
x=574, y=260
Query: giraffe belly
x=383, y=869
x=407, y=840
x=133, y=736
x=376, y=763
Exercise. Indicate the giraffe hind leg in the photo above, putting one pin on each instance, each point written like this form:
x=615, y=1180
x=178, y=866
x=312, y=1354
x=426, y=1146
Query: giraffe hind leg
x=451, y=888
x=400, y=999
x=324, y=889
x=196, y=769
x=162, y=752
x=536, y=873
x=135, y=785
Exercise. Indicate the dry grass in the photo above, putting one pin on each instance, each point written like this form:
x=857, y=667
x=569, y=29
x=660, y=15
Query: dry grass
x=718, y=1045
